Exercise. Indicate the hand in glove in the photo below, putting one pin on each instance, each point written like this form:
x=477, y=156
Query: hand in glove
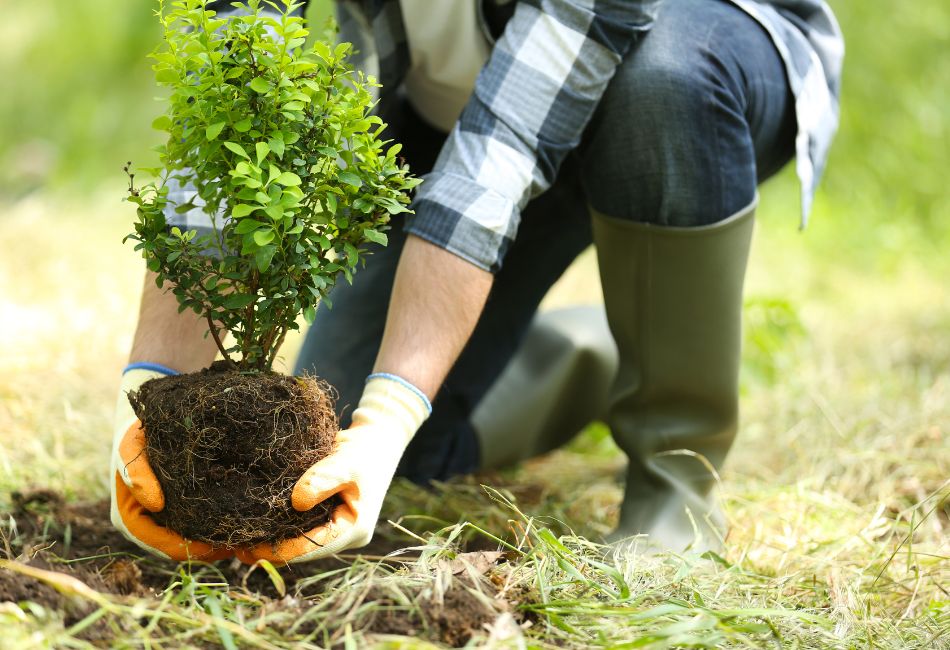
x=359, y=469
x=135, y=488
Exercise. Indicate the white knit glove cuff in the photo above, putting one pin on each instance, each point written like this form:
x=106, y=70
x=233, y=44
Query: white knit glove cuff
x=394, y=401
x=132, y=379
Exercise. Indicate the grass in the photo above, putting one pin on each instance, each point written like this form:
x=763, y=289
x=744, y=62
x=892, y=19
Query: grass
x=837, y=489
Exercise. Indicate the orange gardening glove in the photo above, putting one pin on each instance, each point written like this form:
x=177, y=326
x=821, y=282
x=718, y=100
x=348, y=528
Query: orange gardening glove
x=359, y=470
x=135, y=489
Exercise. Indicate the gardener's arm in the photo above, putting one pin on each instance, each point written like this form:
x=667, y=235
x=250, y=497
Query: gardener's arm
x=169, y=338
x=436, y=301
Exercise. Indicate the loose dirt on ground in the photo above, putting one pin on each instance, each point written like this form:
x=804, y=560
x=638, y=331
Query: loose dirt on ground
x=57, y=543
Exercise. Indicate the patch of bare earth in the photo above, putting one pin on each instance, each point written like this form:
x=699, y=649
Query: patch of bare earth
x=77, y=540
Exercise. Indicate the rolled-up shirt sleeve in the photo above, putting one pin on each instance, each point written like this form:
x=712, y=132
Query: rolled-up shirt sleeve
x=531, y=103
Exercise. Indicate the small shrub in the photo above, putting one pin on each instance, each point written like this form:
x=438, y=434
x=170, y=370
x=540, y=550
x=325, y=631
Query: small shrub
x=279, y=143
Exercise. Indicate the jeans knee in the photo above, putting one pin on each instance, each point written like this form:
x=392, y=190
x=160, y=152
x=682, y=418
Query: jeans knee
x=658, y=90
x=670, y=143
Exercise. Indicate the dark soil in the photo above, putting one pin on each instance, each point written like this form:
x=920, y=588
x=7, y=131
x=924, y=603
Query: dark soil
x=453, y=621
x=78, y=540
x=228, y=447
x=18, y=588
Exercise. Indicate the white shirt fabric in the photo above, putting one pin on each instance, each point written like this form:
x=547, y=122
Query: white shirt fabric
x=448, y=49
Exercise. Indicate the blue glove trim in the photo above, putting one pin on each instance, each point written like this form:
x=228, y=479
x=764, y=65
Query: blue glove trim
x=403, y=382
x=157, y=367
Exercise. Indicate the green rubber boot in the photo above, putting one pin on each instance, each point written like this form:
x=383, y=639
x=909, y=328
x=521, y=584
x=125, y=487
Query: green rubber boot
x=557, y=382
x=674, y=304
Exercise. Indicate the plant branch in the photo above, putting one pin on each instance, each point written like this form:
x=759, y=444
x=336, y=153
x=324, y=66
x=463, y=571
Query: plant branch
x=273, y=354
x=249, y=316
x=217, y=341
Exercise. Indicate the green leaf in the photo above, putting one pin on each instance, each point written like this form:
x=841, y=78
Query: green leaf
x=238, y=300
x=392, y=205
x=243, y=126
x=245, y=226
x=376, y=237
x=214, y=130
x=259, y=84
x=167, y=76
x=275, y=212
x=262, y=151
x=273, y=171
x=351, y=253
x=263, y=237
x=238, y=149
x=288, y=179
x=329, y=203
x=242, y=210
x=277, y=146
x=263, y=257
x=351, y=179
x=162, y=123
x=310, y=314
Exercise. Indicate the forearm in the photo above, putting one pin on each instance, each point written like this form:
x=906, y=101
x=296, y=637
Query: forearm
x=164, y=336
x=436, y=301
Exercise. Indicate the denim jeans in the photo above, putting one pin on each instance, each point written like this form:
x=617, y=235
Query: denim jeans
x=697, y=115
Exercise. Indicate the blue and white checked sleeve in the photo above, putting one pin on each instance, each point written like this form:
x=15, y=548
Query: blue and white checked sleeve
x=531, y=103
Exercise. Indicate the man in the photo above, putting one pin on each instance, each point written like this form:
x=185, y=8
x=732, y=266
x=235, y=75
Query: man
x=643, y=126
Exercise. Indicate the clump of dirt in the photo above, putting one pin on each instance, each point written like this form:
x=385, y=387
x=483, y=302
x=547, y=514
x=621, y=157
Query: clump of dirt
x=16, y=588
x=43, y=521
x=228, y=447
x=51, y=531
x=467, y=608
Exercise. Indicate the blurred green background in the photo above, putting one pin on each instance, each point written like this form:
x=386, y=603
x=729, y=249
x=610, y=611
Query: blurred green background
x=79, y=99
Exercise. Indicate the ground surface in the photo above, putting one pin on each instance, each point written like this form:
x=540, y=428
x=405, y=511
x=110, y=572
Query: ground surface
x=837, y=491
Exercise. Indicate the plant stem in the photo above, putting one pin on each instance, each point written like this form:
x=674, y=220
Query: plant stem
x=217, y=341
x=249, y=316
x=273, y=354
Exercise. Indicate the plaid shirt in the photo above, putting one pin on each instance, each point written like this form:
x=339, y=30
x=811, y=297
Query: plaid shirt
x=542, y=83
x=538, y=90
